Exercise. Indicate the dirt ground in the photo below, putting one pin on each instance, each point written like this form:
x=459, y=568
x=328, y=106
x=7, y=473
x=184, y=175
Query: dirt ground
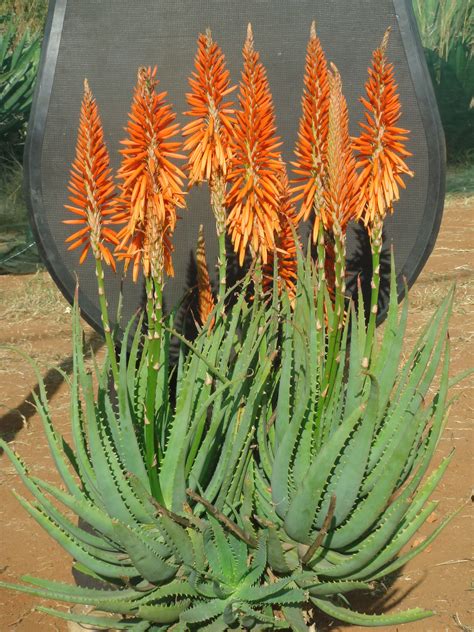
x=34, y=319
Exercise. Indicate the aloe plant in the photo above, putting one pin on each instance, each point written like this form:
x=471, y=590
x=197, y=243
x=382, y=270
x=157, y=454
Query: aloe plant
x=339, y=479
x=282, y=462
x=269, y=499
x=139, y=541
x=18, y=68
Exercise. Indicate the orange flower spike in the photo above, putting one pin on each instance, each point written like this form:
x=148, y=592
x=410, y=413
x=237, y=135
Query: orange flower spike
x=152, y=185
x=256, y=165
x=208, y=134
x=381, y=145
x=340, y=194
x=91, y=186
x=311, y=147
x=286, y=246
x=205, y=298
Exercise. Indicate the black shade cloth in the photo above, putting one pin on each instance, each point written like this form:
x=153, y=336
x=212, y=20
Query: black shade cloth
x=107, y=40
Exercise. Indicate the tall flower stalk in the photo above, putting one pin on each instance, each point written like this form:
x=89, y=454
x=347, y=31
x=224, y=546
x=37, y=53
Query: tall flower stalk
x=286, y=244
x=324, y=183
x=256, y=167
x=206, y=302
x=340, y=193
x=151, y=191
x=208, y=134
x=93, y=203
x=381, y=156
x=339, y=208
x=311, y=164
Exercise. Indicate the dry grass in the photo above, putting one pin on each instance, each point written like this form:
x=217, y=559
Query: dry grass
x=426, y=296
x=23, y=303
x=38, y=297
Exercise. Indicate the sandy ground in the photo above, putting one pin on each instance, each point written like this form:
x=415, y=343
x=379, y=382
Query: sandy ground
x=440, y=578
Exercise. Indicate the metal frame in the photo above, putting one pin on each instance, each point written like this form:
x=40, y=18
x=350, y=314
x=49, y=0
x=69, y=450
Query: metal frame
x=428, y=110
x=435, y=140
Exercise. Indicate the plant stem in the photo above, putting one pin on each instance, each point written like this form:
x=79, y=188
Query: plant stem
x=321, y=257
x=222, y=265
x=321, y=535
x=339, y=311
x=227, y=522
x=154, y=293
x=376, y=246
x=105, y=320
x=320, y=326
x=257, y=277
x=217, y=187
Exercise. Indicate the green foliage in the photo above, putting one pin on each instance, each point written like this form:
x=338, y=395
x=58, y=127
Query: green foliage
x=18, y=251
x=18, y=68
x=19, y=58
x=447, y=33
x=12, y=203
x=460, y=180
x=445, y=23
x=29, y=14
x=272, y=492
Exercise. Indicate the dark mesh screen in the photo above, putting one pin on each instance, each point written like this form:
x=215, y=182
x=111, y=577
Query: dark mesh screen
x=106, y=41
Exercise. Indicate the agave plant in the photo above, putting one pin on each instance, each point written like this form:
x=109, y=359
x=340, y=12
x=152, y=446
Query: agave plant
x=281, y=463
x=18, y=67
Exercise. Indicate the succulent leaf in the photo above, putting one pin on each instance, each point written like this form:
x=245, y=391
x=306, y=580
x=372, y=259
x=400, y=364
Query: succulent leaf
x=144, y=554
x=160, y=613
x=306, y=501
x=370, y=620
x=102, y=623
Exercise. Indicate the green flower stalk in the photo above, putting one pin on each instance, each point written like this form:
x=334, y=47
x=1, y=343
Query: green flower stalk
x=93, y=202
x=151, y=191
x=381, y=163
x=324, y=182
x=340, y=204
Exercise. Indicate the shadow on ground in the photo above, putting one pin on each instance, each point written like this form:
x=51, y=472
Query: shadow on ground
x=16, y=418
x=381, y=600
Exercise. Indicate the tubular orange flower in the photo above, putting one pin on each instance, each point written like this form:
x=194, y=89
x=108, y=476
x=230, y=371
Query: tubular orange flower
x=256, y=165
x=311, y=148
x=285, y=245
x=152, y=185
x=91, y=186
x=205, y=298
x=209, y=133
x=381, y=145
x=340, y=194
